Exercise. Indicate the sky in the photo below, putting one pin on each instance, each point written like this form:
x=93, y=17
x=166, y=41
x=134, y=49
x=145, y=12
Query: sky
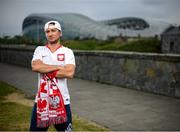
x=13, y=12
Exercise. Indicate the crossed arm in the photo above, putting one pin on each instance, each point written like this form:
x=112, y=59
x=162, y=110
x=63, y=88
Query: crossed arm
x=66, y=71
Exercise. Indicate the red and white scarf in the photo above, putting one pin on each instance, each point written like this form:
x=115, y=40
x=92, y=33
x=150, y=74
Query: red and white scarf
x=50, y=104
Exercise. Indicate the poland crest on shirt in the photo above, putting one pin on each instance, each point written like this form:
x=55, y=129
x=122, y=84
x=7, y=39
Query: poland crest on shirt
x=60, y=57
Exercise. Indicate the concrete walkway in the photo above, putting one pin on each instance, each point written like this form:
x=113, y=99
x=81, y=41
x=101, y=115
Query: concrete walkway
x=113, y=107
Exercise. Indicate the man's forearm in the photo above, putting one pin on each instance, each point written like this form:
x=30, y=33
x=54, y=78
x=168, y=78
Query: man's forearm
x=47, y=68
x=39, y=66
x=66, y=71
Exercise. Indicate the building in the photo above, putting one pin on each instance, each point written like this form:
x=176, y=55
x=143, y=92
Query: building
x=170, y=40
x=77, y=26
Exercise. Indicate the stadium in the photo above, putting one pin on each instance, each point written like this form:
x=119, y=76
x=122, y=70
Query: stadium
x=77, y=26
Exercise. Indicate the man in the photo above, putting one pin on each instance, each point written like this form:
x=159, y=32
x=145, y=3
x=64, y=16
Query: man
x=54, y=63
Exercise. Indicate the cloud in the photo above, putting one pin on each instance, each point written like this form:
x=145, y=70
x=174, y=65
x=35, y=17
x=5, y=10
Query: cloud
x=165, y=10
x=12, y=12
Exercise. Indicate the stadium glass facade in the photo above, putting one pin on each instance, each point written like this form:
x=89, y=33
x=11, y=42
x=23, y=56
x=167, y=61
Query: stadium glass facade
x=77, y=26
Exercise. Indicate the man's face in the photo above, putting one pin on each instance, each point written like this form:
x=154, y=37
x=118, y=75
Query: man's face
x=52, y=34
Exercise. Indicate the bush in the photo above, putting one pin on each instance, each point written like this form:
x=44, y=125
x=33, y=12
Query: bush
x=140, y=45
x=19, y=40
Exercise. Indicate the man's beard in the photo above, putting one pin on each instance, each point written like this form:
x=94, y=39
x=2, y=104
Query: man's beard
x=54, y=42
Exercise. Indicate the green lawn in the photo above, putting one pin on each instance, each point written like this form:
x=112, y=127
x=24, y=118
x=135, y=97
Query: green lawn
x=16, y=117
x=140, y=45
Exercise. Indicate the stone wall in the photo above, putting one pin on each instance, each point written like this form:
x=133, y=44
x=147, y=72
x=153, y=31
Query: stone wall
x=17, y=55
x=150, y=72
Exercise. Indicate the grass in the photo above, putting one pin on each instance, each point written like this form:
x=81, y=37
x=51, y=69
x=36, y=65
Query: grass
x=142, y=45
x=13, y=116
x=16, y=117
x=6, y=89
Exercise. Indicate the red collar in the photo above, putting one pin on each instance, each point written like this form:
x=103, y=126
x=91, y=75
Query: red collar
x=56, y=48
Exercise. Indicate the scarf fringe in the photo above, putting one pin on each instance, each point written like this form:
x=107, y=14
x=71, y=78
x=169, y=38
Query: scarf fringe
x=53, y=120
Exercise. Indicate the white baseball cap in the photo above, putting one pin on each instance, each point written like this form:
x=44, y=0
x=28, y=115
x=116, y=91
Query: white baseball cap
x=55, y=23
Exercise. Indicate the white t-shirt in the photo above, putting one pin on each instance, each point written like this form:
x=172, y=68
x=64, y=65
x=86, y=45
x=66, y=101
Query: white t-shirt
x=62, y=56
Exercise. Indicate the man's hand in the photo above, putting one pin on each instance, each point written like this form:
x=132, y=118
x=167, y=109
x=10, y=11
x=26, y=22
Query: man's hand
x=52, y=75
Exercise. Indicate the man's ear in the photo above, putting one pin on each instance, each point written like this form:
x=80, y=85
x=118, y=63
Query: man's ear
x=60, y=34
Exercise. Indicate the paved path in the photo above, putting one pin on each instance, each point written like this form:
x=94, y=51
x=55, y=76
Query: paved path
x=113, y=107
